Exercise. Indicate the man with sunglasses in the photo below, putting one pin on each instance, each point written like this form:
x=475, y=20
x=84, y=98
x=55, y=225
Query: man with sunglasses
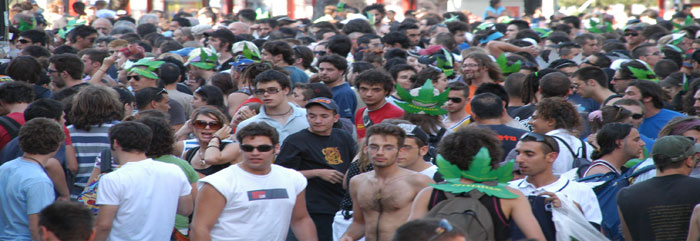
x=660, y=208
x=32, y=37
x=65, y=72
x=633, y=35
x=322, y=154
x=276, y=194
x=649, y=53
x=535, y=154
x=655, y=115
x=458, y=98
x=272, y=88
x=592, y=82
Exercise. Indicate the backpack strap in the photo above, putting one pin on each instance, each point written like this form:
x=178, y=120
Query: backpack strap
x=567, y=145
x=10, y=125
x=598, y=163
x=190, y=153
x=105, y=161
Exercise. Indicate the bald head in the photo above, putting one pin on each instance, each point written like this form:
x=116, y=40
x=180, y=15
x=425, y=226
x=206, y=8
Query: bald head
x=239, y=28
x=103, y=26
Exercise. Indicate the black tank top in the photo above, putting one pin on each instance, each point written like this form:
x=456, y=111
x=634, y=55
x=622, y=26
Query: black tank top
x=501, y=224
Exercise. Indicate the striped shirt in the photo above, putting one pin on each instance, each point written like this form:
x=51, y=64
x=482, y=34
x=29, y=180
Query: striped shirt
x=88, y=145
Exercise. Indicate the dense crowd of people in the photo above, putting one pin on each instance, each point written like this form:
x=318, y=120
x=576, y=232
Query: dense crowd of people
x=441, y=126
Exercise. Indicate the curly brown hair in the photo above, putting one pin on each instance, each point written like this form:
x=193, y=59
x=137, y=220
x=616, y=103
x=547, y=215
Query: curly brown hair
x=95, y=105
x=562, y=112
x=459, y=148
x=41, y=136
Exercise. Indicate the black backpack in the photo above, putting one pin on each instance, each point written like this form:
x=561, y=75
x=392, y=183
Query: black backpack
x=466, y=212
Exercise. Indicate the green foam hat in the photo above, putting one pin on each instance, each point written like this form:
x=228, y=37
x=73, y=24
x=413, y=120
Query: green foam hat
x=203, y=58
x=423, y=100
x=148, y=72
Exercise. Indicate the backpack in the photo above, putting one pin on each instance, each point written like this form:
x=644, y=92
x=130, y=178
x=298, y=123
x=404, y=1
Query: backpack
x=578, y=161
x=466, y=212
x=88, y=197
x=10, y=125
x=606, y=193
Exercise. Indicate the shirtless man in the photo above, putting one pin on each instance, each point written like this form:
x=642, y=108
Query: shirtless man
x=383, y=197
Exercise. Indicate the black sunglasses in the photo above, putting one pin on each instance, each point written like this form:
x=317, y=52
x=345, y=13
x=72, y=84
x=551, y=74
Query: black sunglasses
x=261, y=148
x=320, y=53
x=631, y=34
x=135, y=77
x=538, y=138
x=455, y=100
x=24, y=41
x=635, y=116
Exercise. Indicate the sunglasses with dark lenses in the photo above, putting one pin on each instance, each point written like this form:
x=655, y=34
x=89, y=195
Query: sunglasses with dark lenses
x=455, y=100
x=631, y=34
x=538, y=138
x=200, y=124
x=261, y=148
x=320, y=53
x=23, y=41
x=135, y=77
x=51, y=71
x=620, y=109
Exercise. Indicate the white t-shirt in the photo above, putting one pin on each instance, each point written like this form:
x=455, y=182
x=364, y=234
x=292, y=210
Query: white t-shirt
x=430, y=171
x=258, y=207
x=147, y=194
x=574, y=191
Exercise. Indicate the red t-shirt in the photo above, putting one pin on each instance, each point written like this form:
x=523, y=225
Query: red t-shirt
x=388, y=111
x=19, y=117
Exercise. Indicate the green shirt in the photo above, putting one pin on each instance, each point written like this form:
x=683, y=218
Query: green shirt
x=181, y=222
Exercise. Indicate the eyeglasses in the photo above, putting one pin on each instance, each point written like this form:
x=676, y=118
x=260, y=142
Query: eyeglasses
x=538, y=138
x=320, y=53
x=455, y=100
x=135, y=77
x=616, y=78
x=23, y=41
x=470, y=66
x=51, y=71
x=375, y=148
x=261, y=148
x=214, y=125
x=620, y=109
x=271, y=91
x=631, y=34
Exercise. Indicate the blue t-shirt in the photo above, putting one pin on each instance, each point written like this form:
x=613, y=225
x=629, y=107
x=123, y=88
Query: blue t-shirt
x=296, y=75
x=652, y=125
x=24, y=189
x=491, y=9
x=346, y=100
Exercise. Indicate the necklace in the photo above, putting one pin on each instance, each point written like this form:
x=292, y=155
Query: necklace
x=283, y=114
x=35, y=160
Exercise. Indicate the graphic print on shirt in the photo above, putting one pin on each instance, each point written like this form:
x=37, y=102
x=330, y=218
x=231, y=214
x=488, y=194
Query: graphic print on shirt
x=267, y=194
x=332, y=155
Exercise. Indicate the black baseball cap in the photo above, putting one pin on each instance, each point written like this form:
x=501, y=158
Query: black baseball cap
x=414, y=131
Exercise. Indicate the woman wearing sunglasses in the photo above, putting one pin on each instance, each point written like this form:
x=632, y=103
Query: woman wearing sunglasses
x=611, y=114
x=211, y=150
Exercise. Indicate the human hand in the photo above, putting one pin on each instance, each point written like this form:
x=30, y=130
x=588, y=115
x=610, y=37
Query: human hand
x=346, y=238
x=224, y=132
x=551, y=199
x=330, y=175
x=109, y=61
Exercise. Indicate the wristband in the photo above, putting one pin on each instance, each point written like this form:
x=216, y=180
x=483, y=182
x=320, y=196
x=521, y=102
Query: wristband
x=212, y=146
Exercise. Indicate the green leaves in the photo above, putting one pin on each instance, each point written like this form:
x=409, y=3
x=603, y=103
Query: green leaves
x=447, y=64
x=250, y=54
x=643, y=74
x=24, y=26
x=479, y=171
x=543, y=32
x=499, y=190
x=448, y=170
x=607, y=27
x=505, y=68
x=452, y=18
x=261, y=15
x=423, y=100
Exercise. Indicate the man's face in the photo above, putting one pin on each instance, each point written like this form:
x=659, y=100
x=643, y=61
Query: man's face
x=178, y=36
x=103, y=27
x=583, y=88
x=635, y=110
x=403, y=78
x=471, y=69
x=652, y=56
x=174, y=25
x=267, y=56
x=329, y=74
x=456, y=101
x=55, y=77
x=321, y=119
x=217, y=44
x=163, y=105
x=88, y=64
x=632, y=92
x=633, y=37
x=377, y=15
x=410, y=153
x=590, y=47
x=511, y=31
x=138, y=82
x=274, y=94
x=372, y=94
x=531, y=158
x=298, y=97
x=86, y=42
x=265, y=30
x=23, y=42
x=413, y=36
x=459, y=37
x=257, y=160
x=382, y=150
x=632, y=145
x=375, y=45
x=619, y=83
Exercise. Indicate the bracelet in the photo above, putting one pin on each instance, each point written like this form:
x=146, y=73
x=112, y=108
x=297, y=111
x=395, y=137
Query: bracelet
x=212, y=146
x=216, y=138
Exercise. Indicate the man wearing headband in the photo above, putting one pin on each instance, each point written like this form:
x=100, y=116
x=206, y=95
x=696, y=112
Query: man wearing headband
x=201, y=64
x=648, y=209
x=143, y=75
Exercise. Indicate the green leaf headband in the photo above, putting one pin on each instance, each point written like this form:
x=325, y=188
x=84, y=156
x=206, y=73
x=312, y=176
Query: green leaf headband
x=204, y=60
x=643, y=74
x=446, y=65
x=479, y=171
x=543, y=32
x=595, y=29
x=24, y=26
x=261, y=15
x=250, y=54
x=452, y=18
x=505, y=68
x=340, y=7
x=149, y=71
x=70, y=25
x=423, y=100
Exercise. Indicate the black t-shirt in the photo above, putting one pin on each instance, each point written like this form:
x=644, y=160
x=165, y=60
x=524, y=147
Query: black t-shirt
x=509, y=136
x=226, y=65
x=306, y=151
x=659, y=208
x=523, y=114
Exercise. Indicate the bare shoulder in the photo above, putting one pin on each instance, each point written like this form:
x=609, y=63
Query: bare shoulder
x=360, y=178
